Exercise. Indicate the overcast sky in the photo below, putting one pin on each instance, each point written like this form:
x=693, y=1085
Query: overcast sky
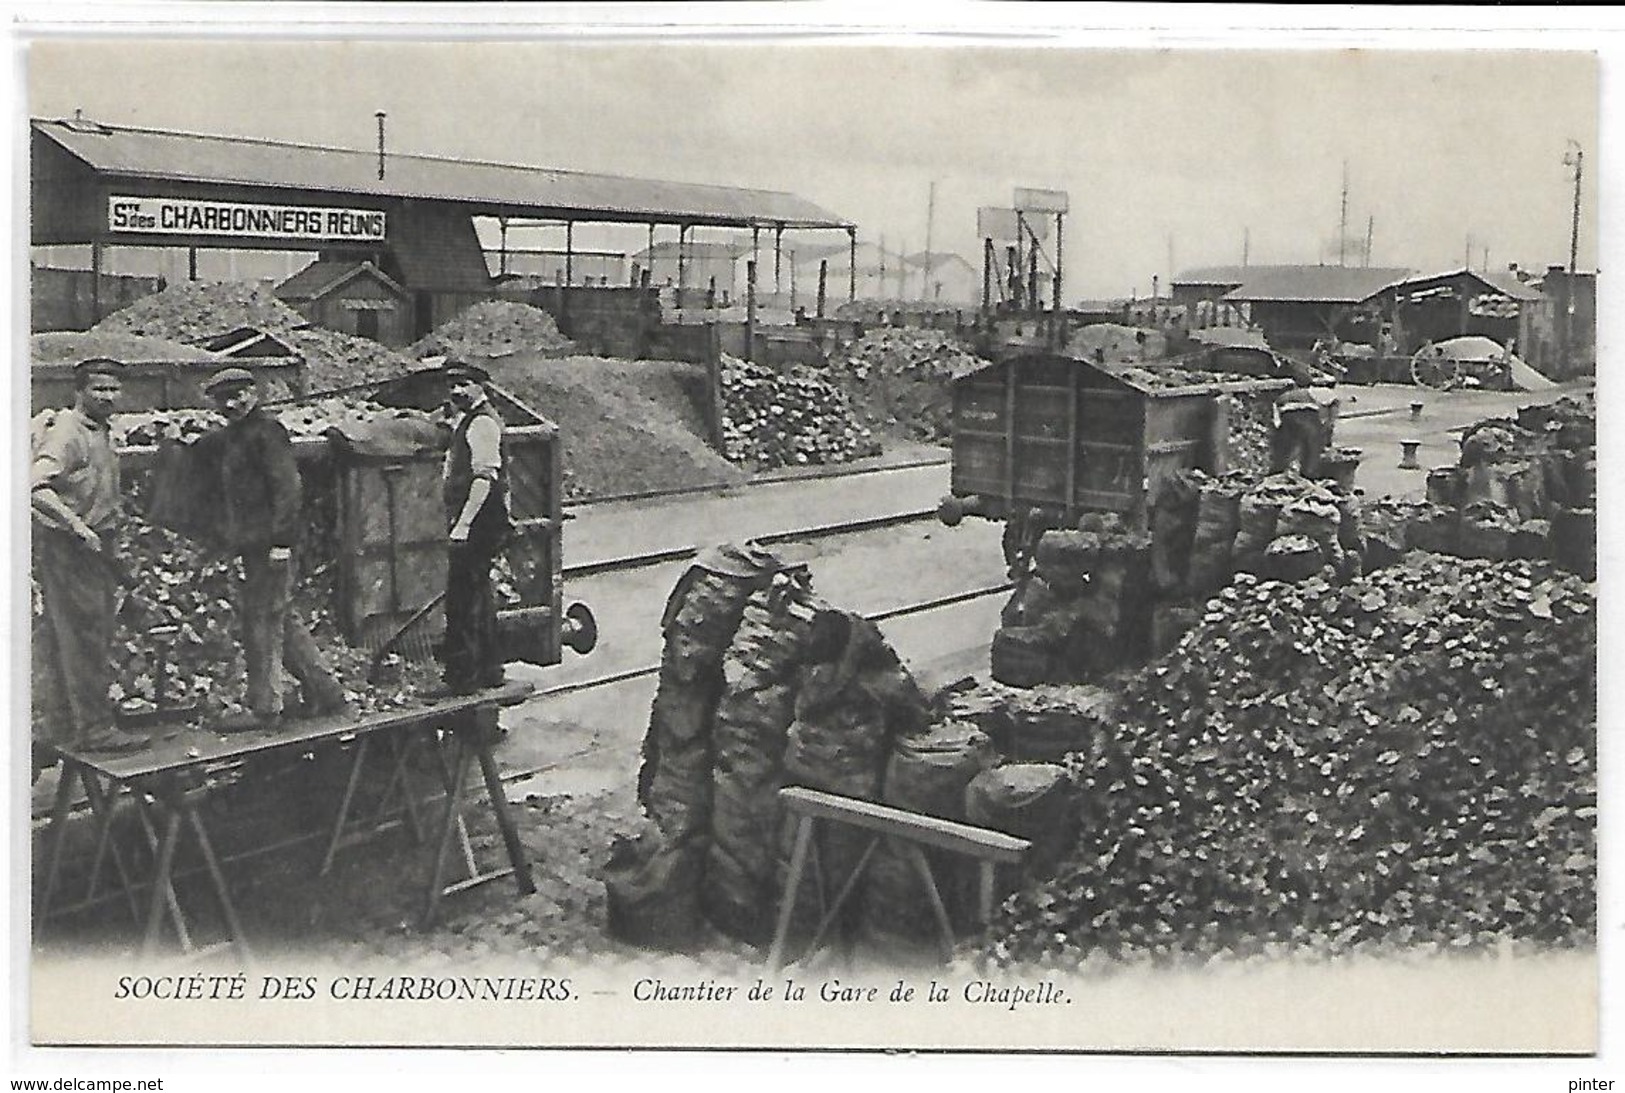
x=1175, y=150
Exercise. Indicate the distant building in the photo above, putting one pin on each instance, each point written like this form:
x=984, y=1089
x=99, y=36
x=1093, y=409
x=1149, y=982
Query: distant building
x=1496, y=305
x=1549, y=324
x=1296, y=306
x=548, y=265
x=701, y=264
x=353, y=298
x=943, y=277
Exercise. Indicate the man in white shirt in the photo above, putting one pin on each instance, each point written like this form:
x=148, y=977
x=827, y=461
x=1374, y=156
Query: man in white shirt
x=476, y=499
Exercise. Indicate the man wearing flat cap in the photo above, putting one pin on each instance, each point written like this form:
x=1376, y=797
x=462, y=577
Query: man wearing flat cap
x=75, y=504
x=259, y=520
x=476, y=499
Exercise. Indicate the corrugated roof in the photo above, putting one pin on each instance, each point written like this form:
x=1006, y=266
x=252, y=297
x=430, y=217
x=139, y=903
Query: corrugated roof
x=192, y=157
x=1315, y=284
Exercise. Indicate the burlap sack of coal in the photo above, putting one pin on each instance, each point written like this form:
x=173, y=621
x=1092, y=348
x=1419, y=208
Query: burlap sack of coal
x=1574, y=541
x=1485, y=531
x=651, y=888
x=1531, y=540
x=1351, y=521
x=1023, y=656
x=752, y=722
x=1255, y=530
x=1174, y=508
x=1494, y=440
x=1517, y=484
x=1170, y=621
x=1434, y=527
x=1580, y=478
x=926, y=773
x=1065, y=559
x=854, y=698
x=701, y=615
x=1029, y=604
x=1218, y=515
x=1292, y=558
x=1386, y=529
x=1447, y=486
x=1046, y=724
x=674, y=780
x=1031, y=801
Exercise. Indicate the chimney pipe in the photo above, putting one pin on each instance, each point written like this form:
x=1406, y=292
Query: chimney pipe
x=380, y=116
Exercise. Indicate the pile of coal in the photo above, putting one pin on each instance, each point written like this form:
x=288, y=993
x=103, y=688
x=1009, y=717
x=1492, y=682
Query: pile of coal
x=334, y=361
x=1408, y=758
x=1249, y=422
x=191, y=311
x=901, y=379
x=494, y=328
x=786, y=419
x=307, y=418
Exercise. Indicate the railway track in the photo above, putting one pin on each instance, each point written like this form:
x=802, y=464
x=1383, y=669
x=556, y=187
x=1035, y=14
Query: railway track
x=933, y=604
x=800, y=535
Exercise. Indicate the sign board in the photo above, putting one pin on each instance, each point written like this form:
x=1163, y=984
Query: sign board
x=1040, y=201
x=230, y=219
x=997, y=224
x=1005, y=225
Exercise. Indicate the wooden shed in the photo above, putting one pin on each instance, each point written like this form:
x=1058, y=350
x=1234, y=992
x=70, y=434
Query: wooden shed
x=353, y=298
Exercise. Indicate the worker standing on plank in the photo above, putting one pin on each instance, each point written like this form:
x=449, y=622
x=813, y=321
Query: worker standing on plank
x=259, y=520
x=1302, y=432
x=75, y=504
x=75, y=507
x=476, y=499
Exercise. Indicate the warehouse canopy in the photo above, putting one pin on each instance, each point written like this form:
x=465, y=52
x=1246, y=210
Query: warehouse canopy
x=483, y=188
x=1314, y=284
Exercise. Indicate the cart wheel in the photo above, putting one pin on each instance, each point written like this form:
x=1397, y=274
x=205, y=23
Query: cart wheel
x=1431, y=368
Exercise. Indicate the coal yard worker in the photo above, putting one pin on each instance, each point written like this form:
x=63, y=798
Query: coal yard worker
x=259, y=520
x=75, y=505
x=1301, y=432
x=476, y=500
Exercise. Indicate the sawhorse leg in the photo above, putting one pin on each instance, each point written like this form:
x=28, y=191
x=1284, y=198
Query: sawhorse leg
x=398, y=779
x=56, y=838
x=180, y=813
x=472, y=741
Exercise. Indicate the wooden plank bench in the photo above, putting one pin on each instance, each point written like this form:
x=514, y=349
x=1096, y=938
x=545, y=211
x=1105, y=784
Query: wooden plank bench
x=168, y=783
x=908, y=830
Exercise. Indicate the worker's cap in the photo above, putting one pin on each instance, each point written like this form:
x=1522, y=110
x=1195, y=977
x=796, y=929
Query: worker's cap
x=228, y=379
x=457, y=371
x=98, y=366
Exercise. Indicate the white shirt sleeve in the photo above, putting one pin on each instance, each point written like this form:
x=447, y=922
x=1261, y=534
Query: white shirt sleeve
x=484, y=447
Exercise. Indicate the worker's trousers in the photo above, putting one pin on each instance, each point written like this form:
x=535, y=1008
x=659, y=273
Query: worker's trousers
x=1300, y=438
x=273, y=638
x=72, y=640
x=470, y=657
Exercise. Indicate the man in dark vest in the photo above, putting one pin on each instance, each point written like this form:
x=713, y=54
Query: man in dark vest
x=259, y=519
x=75, y=503
x=476, y=498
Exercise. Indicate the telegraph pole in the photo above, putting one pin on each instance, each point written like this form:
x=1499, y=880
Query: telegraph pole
x=1574, y=157
x=1343, y=217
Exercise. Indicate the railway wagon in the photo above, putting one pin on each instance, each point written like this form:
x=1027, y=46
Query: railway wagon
x=381, y=526
x=1039, y=440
